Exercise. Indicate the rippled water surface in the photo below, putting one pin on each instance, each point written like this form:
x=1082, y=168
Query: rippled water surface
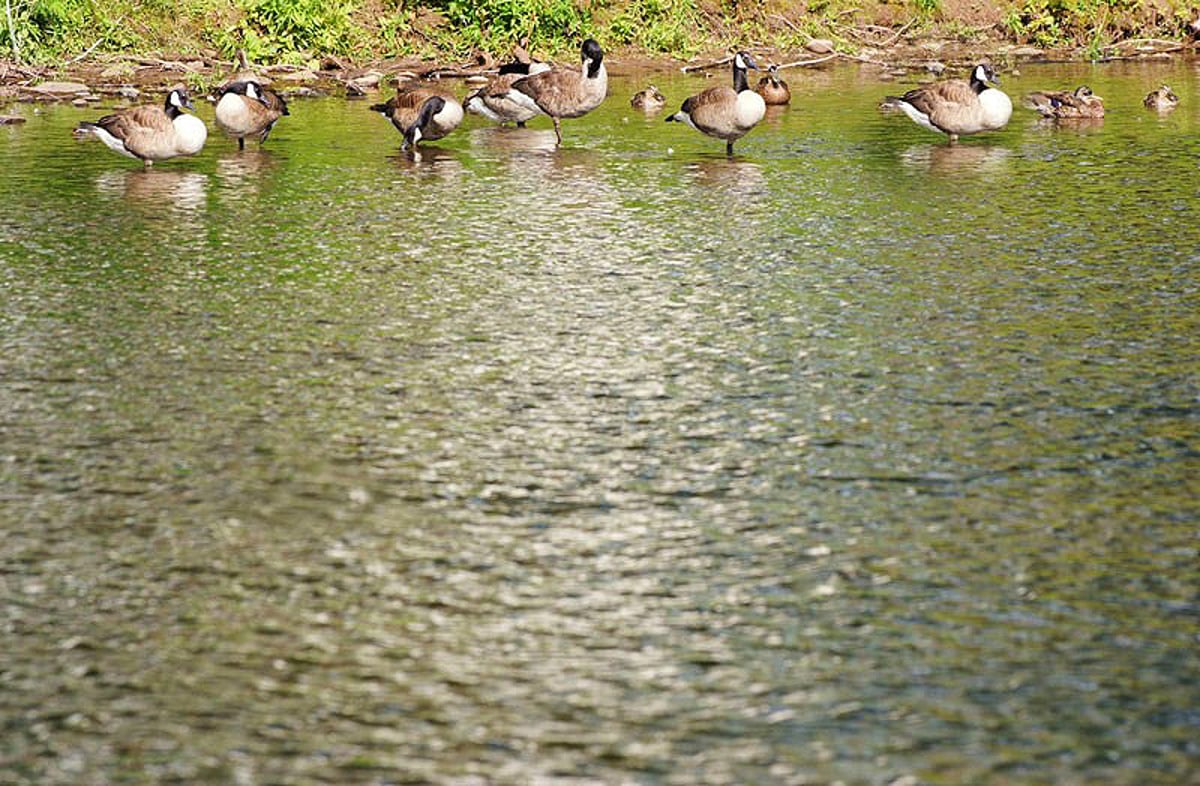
x=854, y=458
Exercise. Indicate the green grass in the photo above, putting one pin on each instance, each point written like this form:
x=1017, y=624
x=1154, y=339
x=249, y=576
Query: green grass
x=50, y=31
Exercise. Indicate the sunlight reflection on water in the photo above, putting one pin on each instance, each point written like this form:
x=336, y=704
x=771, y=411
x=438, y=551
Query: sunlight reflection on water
x=854, y=456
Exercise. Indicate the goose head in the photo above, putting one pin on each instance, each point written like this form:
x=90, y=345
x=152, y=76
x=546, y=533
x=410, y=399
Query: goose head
x=983, y=75
x=177, y=101
x=254, y=92
x=430, y=108
x=742, y=61
x=593, y=56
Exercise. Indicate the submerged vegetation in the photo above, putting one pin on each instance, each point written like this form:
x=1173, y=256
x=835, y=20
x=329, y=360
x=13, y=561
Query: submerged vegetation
x=50, y=31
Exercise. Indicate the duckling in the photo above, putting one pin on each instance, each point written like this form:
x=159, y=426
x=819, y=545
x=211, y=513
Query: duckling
x=648, y=100
x=957, y=107
x=246, y=108
x=151, y=133
x=724, y=113
x=1082, y=102
x=565, y=92
x=774, y=90
x=1161, y=100
x=421, y=113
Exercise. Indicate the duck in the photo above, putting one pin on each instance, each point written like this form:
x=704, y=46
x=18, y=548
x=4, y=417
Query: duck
x=722, y=112
x=957, y=107
x=564, y=92
x=421, y=113
x=246, y=108
x=151, y=133
x=1161, y=100
x=492, y=102
x=1081, y=102
x=774, y=90
x=648, y=100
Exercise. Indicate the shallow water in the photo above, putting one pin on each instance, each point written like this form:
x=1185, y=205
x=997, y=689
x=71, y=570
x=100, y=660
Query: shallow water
x=853, y=457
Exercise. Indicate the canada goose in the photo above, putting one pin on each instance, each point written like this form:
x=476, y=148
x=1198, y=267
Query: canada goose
x=492, y=100
x=774, y=90
x=724, y=113
x=565, y=92
x=420, y=113
x=151, y=133
x=1082, y=102
x=957, y=107
x=1161, y=100
x=246, y=108
x=648, y=100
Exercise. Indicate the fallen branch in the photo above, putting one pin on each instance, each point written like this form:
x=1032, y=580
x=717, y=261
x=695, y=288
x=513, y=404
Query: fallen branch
x=89, y=50
x=1172, y=45
x=457, y=73
x=800, y=63
x=705, y=66
x=899, y=32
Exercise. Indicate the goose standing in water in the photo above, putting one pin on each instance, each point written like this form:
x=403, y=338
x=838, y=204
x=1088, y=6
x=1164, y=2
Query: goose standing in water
x=421, y=113
x=722, y=112
x=246, y=108
x=151, y=133
x=1081, y=102
x=565, y=92
x=957, y=107
x=774, y=90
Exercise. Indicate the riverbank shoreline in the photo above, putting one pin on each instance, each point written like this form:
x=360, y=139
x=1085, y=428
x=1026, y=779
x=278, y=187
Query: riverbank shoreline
x=89, y=79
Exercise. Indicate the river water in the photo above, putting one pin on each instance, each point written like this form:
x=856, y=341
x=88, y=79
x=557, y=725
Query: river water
x=855, y=458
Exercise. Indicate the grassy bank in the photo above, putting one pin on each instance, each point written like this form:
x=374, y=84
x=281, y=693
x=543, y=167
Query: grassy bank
x=302, y=31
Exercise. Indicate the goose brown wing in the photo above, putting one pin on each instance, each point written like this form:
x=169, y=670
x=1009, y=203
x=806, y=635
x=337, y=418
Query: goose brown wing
x=405, y=107
x=711, y=110
x=411, y=98
x=138, y=119
x=275, y=102
x=551, y=90
x=927, y=99
x=497, y=85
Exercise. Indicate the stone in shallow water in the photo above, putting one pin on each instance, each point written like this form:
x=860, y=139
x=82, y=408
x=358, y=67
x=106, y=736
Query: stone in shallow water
x=61, y=88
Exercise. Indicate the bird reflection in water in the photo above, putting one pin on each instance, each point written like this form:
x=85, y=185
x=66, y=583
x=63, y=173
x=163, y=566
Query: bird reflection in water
x=430, y=161
x=956, y=159
x=513, y=140
x=742, y=178
x=186, y=191
x=245, y=169
x=775, y=114
x=1078, y=125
